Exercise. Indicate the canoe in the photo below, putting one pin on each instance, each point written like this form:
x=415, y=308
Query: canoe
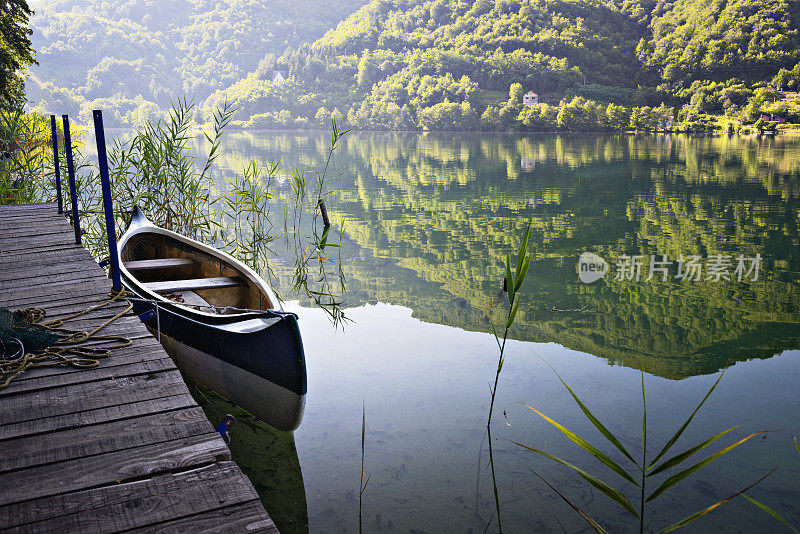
x=218, y=319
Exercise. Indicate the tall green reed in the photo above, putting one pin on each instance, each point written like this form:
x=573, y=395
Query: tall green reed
x=761, y=505
x=23, y=155
x=640, y=473
x=161, y=170
x=158, y=170
x=248, y=209
x=310, y=238
x=253, y=237
x=512, y=285
x=362, y=486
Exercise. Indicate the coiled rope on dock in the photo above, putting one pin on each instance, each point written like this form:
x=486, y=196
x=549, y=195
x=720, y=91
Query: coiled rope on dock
x=76, y=348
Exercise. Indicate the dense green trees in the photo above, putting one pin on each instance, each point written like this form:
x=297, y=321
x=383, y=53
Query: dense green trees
x=428, y=64
x=747, y=39
x=788, y=79
x=406, y=64
x=133, y=56
x=16, y=52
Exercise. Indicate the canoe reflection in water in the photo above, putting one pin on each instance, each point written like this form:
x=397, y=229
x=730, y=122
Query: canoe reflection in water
x=268, y=456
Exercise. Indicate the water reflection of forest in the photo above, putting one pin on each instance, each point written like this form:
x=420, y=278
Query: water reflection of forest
x=429, y=219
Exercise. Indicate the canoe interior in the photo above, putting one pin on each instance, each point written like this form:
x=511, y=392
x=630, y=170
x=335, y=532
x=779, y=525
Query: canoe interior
x=201, y=265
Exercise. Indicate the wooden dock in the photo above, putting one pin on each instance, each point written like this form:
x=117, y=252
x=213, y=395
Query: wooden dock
x=119, y=447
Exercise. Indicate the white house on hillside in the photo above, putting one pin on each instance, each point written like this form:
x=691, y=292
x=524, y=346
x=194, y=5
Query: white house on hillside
x=530, y=98
x=277, y=76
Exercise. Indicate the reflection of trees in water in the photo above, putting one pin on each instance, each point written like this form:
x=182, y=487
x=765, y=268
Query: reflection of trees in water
x=429, y=217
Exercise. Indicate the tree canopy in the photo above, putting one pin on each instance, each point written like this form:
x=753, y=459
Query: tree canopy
x=449, y=64
x=133, y=56
x=425, y=64
x=16, y=51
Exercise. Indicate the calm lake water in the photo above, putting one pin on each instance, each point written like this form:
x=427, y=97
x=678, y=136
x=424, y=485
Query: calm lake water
x=428, y=221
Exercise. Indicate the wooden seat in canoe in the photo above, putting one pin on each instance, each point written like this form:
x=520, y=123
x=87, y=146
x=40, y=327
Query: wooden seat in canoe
x=163, y=263
x=194, y=284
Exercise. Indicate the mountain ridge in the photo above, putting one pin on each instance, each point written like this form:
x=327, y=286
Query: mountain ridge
x=429, y=64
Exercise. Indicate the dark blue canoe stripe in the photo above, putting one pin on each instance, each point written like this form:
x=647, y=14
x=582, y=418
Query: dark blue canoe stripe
x=274, y=353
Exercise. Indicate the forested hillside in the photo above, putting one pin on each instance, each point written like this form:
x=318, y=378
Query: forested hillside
x=131, y=57
x=444, y=64
x=429, y=64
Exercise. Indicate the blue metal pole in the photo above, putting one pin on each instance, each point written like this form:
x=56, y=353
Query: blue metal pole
x=56, y=165
x=73, y=190
x=108, y=203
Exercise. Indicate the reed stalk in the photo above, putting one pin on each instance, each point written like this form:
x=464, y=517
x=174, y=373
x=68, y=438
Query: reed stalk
x=512, y=285
x=676, y=465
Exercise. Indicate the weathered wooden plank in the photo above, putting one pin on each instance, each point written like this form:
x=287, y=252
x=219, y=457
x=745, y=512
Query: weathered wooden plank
x=38, y=212
x=59, y=308
x=11, y=228
x=69, y=270
x=22, y=232
x=11, y=249
x=32, y=216
x=249, y=517
x=81, y=397
x=194, y=284
x=47, y=209
x=17, y=222
x=91, y=291
x=96, y=290
x=18, y=246
x=43, y=257
x=104, y=371
x=128, y=327
x=38, y=206
x=64, y=253
x=37, y=233
x=63, y=307
x=30, y=205
x=33, y=220
x=47, y=257
x=60, y=311
x=34, y=244
x=163, y=263
x=33, y=238
x=20, y=284
x=179, y=399
x=141, y=503
x=145, y=350
x=63, y=247
x=127, y=324
x=57, y=286
x=113, y=467
x=88, y=441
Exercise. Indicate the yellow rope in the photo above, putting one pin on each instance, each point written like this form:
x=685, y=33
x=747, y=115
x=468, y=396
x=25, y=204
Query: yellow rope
x=72, y=348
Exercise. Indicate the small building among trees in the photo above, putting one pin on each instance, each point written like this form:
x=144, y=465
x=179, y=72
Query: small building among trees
x=530, y=98
x=771, y=117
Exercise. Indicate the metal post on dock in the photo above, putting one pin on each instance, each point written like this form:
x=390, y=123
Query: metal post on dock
x=56, y=164
x=73, y=190
x=108, y=203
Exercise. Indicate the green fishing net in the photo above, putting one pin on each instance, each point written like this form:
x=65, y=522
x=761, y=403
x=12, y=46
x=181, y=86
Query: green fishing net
x=18, y=336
